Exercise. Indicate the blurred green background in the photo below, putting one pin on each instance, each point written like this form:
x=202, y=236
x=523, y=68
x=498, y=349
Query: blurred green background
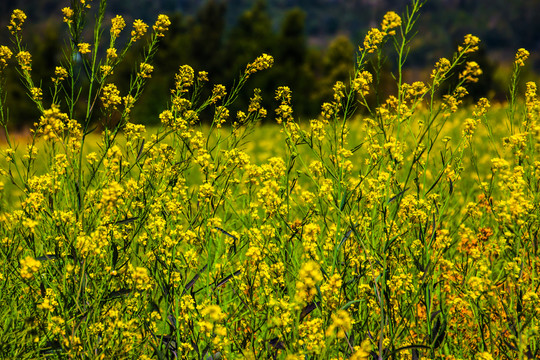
x=313, y=42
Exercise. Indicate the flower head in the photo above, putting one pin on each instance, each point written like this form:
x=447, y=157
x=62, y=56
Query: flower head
x=111, y=96
x=139, y=29
x=17, y=20
x=373, y=40
x=25, y=60
x=341, y=324
x=118, y=25
x=161, y=25
x=5, y=55
x=263, y=62
x=68, y=15
x=521, y=56
x=61, y=73
x=218, y=92
x=145, y=70
x=84, y=48
x=471, y=73
x=470, y=44
x=29, y=266
x=390, y=21
x=52, y=123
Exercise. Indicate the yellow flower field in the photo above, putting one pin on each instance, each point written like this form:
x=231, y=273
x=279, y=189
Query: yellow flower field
x=406, y=228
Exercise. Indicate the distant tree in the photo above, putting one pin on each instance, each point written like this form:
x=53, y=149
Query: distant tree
x=337, y=65
x=251, y=36
x=291, y=55
x=207, y=35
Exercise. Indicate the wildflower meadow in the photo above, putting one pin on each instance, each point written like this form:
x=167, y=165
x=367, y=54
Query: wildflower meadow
x=396, y=227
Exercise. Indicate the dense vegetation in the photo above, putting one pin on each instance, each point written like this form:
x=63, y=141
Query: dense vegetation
x=391, y=225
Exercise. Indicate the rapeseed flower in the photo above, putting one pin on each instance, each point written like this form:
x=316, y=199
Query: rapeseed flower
x=470, y=44
x=68, y=15
x=263, y=62
x=471, y=73
x=362, y=82
x=36, y=93
x=110, y=97
x=5, y=55
x=52, y=123
x=25, y=60
x=364, y=352
x=139, y=29
x=145, y=71
x=521, y=56
x=29, y=267
x=309, y=275
x=390, y=21
x=341, y=324
x=373, y=40
x=17, y=20
x=218, y=93
x=60, y=73
x=84, y=48
x=118, y=25
x=162, y=24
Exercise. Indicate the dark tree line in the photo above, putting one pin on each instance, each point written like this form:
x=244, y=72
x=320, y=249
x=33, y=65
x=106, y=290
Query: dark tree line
x=209, y=40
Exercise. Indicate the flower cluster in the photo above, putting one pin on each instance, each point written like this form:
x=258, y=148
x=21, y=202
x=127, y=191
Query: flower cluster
x=29, y=267
x=162, y=25
x=263, y=62
x=17, y=20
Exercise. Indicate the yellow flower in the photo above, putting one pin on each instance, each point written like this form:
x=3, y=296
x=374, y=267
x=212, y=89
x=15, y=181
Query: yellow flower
x=471, y=73
x=184, y=78
x=218, y=92
x=202, y=76
x=521, y=56
x=373, y=39
x=390, y=21
x=52, y=123
x=36, y=93
x=110, y=97
x=5, y=55
x=263, y=62
x=221, y=115
x=84, y=48
x=111, y=54
x=161, y=25
x=68, y=15
x=140, y=278
x=484, y=356
x=118, y=25
x=441, y=68
x=213, y=312
x=364, y=352
x=25, y=60
x=111, y=196
x=470, y=44
x=361, y=82
x=29, y=266
x=308, y=276
x=61, y=74
x=139, y=29
x=106, y=70
x=129, y=101
x=145, y=70
x=17, y=20
x=341, y=322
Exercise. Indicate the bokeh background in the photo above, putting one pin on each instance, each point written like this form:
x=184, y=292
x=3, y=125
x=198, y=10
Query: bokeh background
x=314, y=43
